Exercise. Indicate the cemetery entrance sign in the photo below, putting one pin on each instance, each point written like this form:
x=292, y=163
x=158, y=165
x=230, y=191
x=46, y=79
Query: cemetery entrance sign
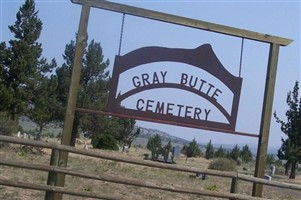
x=203, y=58
x=171, y=111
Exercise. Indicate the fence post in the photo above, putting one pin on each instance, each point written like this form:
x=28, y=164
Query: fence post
x=49, y=195
x=234, y=185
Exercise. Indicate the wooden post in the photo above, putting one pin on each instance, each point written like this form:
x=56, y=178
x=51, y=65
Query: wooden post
x=234, y=185
x=51, y=180
x=266, y=118
x=73, y=91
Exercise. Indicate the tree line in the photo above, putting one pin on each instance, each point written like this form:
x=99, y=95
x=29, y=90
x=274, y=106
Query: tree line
x=238, y=155
x=32, y=86
x=192, y=149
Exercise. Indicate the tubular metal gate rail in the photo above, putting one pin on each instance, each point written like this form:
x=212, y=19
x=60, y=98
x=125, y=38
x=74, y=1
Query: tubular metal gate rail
x=53, y=170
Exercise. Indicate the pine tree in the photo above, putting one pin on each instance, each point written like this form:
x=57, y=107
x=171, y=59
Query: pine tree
x=25, y=85
x=235, y=153
x=246, y=154
x=220, y=153
x=168, y=146
x=290, y=149
x=209, y=151
x=128, y=133
x=154, y=144
x=93, y=89
x=43, y=107
x=22, y=63
x=6, y=95
x=192, y=150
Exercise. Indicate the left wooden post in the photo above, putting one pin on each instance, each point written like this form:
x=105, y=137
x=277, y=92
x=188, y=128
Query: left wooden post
x=73, y=91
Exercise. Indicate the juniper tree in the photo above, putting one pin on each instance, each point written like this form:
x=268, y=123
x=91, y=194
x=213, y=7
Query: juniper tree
x=235, y=153
x=21, y=62
x=93, y=89
x=209, y=151
x=220, y=152
x=246, y=154
x=192, y=150
x=26, y=88
x=127, y=132
x=290, y=149
x=154, y=144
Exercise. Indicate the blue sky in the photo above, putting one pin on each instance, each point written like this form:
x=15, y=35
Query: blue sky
x=280, y=18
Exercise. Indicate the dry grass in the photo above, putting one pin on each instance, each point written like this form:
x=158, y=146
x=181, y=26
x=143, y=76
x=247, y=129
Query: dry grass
x=100, y=166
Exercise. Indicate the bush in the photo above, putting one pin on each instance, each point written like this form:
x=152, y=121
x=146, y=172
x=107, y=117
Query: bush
x=223, y=164
x=238, y=161
x=105, y=141
x=212, y=187
x=8, y=126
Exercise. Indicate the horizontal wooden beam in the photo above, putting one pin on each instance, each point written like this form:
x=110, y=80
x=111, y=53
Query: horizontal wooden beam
x=124, y=180
x=56, y=189
x=183, y=21
x=99, y=112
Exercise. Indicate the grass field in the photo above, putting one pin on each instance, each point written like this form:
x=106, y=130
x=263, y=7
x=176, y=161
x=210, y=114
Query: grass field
x=99, y=166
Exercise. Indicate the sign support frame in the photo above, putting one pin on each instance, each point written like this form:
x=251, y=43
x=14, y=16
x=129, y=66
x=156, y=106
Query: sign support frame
x=274, y=42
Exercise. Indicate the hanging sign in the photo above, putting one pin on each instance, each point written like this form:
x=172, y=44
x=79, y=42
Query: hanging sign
x=185, y=86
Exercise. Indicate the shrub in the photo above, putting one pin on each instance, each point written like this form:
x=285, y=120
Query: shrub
x=105, y=141
x=238, y=161
x=7, y=125
x=59, y=135
x=223, y=164
x=211, y=187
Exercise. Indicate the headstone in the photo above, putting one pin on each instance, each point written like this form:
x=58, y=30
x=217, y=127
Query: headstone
x=201, y=176
x=166, y=155
x=19, y=134
x=273, y=169
x=125, y=149
x=176, y=151
x=267, y=177
x=37, y=136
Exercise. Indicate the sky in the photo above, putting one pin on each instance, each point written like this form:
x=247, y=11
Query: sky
x=279, y=18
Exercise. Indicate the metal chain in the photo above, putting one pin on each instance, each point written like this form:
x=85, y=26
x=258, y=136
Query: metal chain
x=121, y=34
x=241, y=54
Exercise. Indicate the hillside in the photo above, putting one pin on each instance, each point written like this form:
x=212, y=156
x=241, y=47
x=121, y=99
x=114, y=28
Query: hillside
x=145, y=134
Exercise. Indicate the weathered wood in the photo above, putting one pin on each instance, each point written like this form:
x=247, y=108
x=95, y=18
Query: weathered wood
x=126, y=181
x=267, y=182
x=56, y=189
x=73, y=91
x=51, y=180
x=234, y=185
x=266, y=117
x=183, y=21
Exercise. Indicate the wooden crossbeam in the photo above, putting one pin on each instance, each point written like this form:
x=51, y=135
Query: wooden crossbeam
x=183, y=21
